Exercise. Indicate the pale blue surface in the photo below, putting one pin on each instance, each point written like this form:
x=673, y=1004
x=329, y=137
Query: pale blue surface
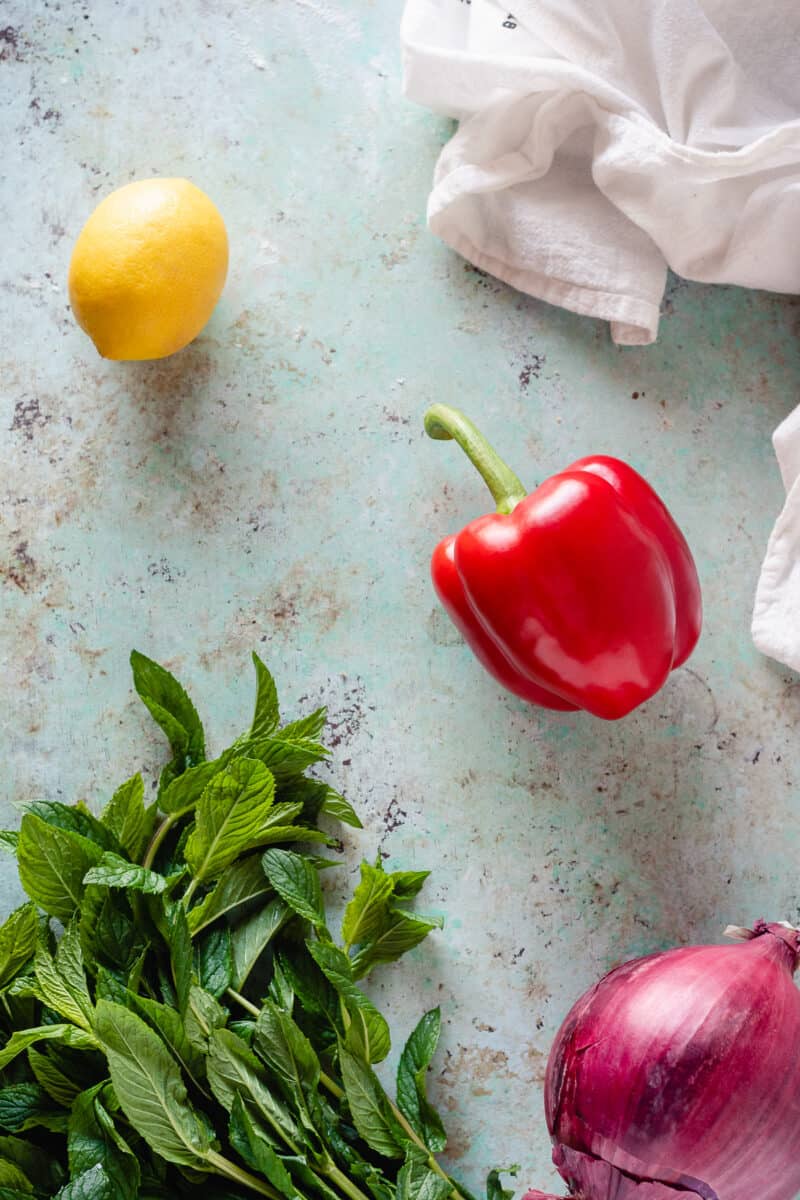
x=271, y=488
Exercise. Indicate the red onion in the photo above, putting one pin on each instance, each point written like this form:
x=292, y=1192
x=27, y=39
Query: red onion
x=678, y=1075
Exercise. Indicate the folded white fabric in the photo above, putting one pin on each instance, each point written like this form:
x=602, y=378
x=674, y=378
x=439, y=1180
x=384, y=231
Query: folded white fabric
x=776, y=614
x=601, y=141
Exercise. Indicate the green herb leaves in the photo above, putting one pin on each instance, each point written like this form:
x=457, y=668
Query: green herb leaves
x=297, y=883
x=412, y=1096
x=196, y=968
x=233, y=811
x=17, y=941
x=172, y=709
x=52, y=865
x=149, y=1087
x=369, y=1106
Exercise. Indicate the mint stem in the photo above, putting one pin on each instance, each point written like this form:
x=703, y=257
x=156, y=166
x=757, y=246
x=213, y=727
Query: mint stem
x=156, y=840
x=246, y=1005
x=229, y=1170
x=343, y=1183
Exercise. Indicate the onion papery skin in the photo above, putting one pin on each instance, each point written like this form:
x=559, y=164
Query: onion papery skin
x=678, y=1075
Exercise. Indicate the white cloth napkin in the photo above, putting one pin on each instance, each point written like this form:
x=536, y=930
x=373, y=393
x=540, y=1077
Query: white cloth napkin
x=776, y=613
x=601, y=141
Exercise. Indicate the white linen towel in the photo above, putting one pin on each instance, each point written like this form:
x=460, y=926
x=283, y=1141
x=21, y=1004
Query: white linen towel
x=776, y=613
x=601, y=141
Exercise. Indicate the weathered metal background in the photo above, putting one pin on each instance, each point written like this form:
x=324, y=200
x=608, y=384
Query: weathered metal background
x=271, y=488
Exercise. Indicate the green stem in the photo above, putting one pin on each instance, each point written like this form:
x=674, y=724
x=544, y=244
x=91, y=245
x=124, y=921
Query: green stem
x=229, y=1170
x=331, y=1085
x=246, y=1005
x=156, y=840
x=343, y=1183
x=445, y=424
x=190, y=891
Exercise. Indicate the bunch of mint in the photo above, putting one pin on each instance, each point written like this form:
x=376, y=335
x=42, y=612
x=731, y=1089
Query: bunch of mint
x=175, y=1013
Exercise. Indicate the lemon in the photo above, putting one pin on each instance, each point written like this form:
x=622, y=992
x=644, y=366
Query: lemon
x=147, y=269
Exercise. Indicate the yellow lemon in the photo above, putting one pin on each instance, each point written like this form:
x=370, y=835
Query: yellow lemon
x=147, y=269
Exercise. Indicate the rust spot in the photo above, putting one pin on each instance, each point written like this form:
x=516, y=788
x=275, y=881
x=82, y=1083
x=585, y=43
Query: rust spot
x=87, y=655
x=474, y=1066
x=21, y=570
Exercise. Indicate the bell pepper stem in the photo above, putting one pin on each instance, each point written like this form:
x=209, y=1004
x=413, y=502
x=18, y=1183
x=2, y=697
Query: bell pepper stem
x=445, y=423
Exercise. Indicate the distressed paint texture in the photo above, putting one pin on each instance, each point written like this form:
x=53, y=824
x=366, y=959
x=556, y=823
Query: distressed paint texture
x=271, y=488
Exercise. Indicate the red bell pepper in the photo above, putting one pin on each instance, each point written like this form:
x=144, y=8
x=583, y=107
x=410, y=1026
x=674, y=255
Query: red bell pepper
x=583, y=594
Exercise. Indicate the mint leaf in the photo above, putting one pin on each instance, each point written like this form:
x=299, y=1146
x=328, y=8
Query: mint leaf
x=183, y=792
x=74, y=818
x=52, y=863
x=370, y=1027
x=94, y=1184
x=109, y=935
x=254, y=1148
x=286, y=756
x=234, y=1070
x=57, y=1085
x=368, y=1035
x=289, y=1055
x=309, y=985
x=250, y=939
x=412, y=1099
x=366, y=914
x=402, y=932
x=172, y=709
x=204, y=1014
x=213, y=958
x=416, y=1181
x=115, y=872
x=232, y=813
x=161, y=1018
x=12, y=1177
x=44, y=1175
x=408, y=884
x=280, y=989
x=62, y=981
x=267, y=713
x=26, y=1106
x=306, y=727
x=170, y=920
x=336, y=806
x=281, y=834
x=126, y=817
x=297, y=883
x=17, y=942
x=494, y=1185
x=369, y=1107
x=149, y=1087
x=68, y=1035
x=92, y=1138
x=239, y=883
